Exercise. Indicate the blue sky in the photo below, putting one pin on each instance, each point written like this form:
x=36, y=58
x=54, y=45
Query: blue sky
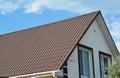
x=21, y=14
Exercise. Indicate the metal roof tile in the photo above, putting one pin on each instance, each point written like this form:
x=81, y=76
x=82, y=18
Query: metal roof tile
x=43, y=48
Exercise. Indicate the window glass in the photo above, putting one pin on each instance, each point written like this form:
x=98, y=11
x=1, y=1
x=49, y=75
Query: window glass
x=104, y=64
x=85, y=62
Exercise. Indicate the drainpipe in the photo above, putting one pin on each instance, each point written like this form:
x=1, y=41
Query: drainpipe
x=57, y=74
x=54, y=75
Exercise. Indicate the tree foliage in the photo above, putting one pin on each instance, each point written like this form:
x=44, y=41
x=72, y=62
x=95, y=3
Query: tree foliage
x=115, y=69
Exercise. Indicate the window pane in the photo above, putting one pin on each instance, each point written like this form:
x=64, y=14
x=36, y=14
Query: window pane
x=65, y=76
x=102, y=66
x=81, y=62
x=106, y=66
x=84, y=63
x=65, y=70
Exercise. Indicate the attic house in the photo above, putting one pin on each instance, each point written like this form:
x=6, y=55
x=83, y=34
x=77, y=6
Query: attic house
x=79, y=47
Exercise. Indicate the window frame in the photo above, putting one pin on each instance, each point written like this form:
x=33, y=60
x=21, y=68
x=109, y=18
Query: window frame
x=65, y=70
x=101, y=53
x=92, y=58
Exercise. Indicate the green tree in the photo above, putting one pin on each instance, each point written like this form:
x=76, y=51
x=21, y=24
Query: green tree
x=115, y=69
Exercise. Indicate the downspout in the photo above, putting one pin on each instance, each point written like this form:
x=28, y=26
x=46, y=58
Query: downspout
x=57, y=74
x=54, y=75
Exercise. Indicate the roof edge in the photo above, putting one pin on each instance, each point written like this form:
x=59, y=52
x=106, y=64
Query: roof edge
x=113, y=42
x=35, y=74
x=98, y=12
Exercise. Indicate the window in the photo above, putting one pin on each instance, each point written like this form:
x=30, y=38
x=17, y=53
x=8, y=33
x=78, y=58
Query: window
x=105, y=61
x=85, y=62
x=65, y=70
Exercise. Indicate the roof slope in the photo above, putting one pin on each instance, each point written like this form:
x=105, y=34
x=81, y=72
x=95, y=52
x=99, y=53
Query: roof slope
x=43, y=48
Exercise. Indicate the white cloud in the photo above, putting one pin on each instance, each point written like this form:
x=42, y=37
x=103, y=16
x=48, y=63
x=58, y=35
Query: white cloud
x=76, y=6
x=36, y=6
x=114, y=27
x=115, y=31
x=6, y=7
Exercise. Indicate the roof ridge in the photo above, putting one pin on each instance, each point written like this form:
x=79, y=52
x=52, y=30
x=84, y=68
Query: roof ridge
x=51, y=23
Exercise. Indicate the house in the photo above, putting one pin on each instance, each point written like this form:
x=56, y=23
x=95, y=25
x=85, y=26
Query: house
x=79, y=47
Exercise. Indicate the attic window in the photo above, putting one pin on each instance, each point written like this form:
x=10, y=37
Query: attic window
x=85, y=62
x=105, y=61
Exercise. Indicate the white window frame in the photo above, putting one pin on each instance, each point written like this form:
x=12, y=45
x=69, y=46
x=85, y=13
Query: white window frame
x=90, y=60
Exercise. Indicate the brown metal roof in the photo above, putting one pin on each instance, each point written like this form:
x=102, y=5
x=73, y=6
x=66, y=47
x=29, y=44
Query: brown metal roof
x=43, y=48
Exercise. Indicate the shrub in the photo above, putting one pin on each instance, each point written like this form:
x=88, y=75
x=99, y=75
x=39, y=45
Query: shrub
x=115, y=69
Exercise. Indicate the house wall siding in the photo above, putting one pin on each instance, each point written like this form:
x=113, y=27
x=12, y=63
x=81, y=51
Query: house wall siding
x=73, y=70
x=95, y=39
